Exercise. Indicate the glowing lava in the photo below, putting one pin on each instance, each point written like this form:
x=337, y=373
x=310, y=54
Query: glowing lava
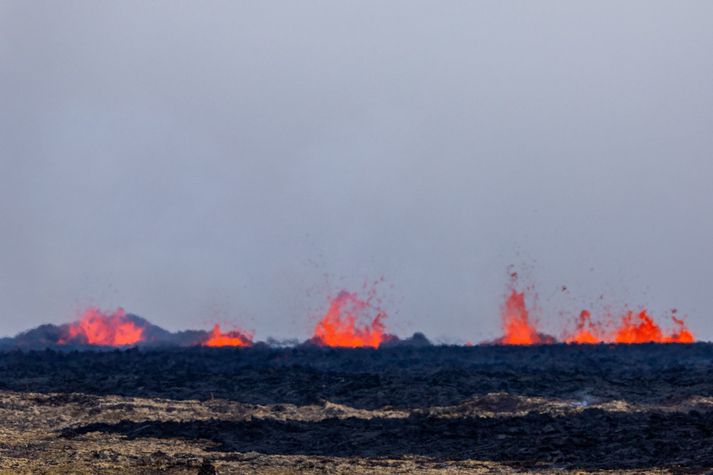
x=632, y=328
x=98, y=328
x=339, y=325
x=641, y=328
x=517, y=328
x=231, y=338
x=681, y=334
x=520, y=329
x=586, y=330
x=638, y=328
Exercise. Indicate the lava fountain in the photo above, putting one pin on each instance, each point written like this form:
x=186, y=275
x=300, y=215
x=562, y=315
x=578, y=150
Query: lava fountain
x=586, y=332
x=638, y=328
x=633, y=327
x=232, y=338
x=682, y=334
x=641, y=328
x=339, y=325
x=518, y=328
x=102, y=329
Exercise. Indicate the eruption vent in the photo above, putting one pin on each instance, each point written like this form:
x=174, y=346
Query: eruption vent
x=632, y=328
x=681, y=334
x=641, y=328
x=638, y=328
x=231, y=338
x=98, y=328
x=339, y=325
x=586, y=331
x=518, y=329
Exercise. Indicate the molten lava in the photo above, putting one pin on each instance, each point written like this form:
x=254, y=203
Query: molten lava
x=586, y=330
x=638, y=328
x=231, y=338
x=632, y=328
x=681, y=334
x=98, y=328
x=339, y=325
x=641, y=328
x=517, y=328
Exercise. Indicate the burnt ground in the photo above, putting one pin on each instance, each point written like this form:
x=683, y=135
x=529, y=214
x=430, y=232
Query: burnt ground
x=554, y=408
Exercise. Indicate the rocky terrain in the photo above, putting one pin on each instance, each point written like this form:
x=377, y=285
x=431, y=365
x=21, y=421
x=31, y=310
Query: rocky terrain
x=439, y=409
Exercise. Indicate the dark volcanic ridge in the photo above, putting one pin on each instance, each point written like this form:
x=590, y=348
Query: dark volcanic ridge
x=60, y=336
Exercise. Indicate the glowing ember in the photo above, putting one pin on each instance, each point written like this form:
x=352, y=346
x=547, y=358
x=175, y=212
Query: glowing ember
x=232, y=338
x=517, y=328
x=586, y=330
x=339, y=326
x=98, y=328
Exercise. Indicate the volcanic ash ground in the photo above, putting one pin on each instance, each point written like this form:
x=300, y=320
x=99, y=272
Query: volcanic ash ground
x=432, y=409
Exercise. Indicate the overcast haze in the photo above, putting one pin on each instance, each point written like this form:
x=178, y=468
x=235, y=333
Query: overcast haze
x=194, y=161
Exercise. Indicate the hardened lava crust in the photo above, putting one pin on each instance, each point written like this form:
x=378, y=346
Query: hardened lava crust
x=431, y=409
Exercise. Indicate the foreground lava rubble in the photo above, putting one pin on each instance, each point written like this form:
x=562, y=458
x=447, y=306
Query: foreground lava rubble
x=437, y=409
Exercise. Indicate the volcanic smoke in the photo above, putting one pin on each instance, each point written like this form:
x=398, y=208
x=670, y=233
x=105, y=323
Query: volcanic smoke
x=339, y=326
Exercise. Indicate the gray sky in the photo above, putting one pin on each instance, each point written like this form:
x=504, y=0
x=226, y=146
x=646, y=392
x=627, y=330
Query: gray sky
x=194, y=161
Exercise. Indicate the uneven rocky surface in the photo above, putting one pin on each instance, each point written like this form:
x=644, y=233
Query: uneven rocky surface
x=554, y=408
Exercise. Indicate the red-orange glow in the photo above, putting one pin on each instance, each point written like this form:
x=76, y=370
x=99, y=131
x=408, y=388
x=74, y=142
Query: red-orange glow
x=586, y=332
x=638, y=328
x=232, y=338
x=98, y=328
x=339, y=326
x=681, y=334
x=517, y=328
x=641, y=328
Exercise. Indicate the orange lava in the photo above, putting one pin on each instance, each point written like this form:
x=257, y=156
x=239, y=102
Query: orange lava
x=339, y=327
x=638, y=328
x=231, y=338
x=681, y=334
x=517, y=328
x=641, y=328
x=632, y=328
x=98, y=328
x=586, y=330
